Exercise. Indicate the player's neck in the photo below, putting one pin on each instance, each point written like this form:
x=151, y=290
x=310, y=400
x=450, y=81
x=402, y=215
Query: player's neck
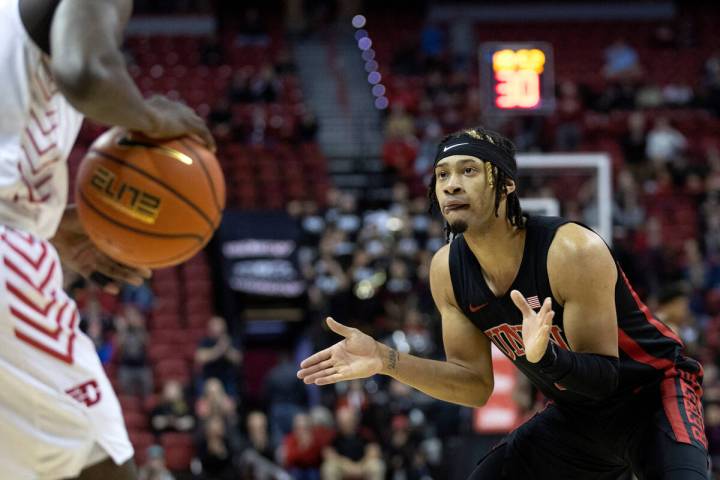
x=499, y=250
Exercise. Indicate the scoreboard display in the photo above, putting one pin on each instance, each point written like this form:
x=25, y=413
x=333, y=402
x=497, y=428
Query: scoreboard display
x=517, y=78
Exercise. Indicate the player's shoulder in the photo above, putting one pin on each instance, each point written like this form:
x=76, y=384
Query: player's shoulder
x=573, y=241
x=440, y=266
x=578, y=255
x=441, y=259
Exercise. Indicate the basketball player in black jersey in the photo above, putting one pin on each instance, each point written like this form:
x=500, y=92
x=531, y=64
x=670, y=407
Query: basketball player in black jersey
x=550, y=295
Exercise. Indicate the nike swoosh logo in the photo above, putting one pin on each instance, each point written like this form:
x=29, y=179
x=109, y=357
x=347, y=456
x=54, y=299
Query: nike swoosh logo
x=477, y=308
x=445, y=149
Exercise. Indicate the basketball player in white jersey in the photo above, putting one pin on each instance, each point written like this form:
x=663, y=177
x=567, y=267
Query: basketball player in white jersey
x=60, y=60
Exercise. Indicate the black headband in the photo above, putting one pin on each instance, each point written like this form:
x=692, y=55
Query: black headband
x=482, y=149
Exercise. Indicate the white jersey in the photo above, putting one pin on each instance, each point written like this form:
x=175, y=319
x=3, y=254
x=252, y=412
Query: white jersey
x=58, y=411
x=38, y=128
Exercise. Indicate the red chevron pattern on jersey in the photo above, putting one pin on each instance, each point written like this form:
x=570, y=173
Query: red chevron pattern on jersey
x=39, y=145
x=45, y=318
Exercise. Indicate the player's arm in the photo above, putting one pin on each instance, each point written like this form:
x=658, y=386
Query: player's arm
x=582, y=275
x=465, y=378
x=90, y=71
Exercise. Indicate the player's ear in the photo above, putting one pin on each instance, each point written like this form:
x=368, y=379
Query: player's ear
x=509, y=186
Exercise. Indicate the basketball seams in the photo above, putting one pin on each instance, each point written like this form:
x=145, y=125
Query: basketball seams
x=156, y=180
x=207, y=176
x=125, y=226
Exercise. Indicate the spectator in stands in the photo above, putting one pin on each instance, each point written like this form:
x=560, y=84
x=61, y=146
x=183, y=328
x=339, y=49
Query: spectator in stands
x=221, y=113
x=664, y=142
x=140, y=296
x=307, y=127
x=323, y=423
x=403, y=456
x=347, y=220
x=711, y=84
x=172, y=413
x=211, y=51
x=214, y=402
x=284, y=63
x=674, y=310
x=252, y=30
x=302, y=449
x=621, y=61
x=352, y=453
x=218, y=356
x=433, y=45
x=258, y=453
x=216, y=452
x=103, y=345
x=628, y=213
x=93, y=309
x=568, y=132
x=399, y=124
x=240, y=91
x=134, y=373
x=633, y=140
x=712, y=430
x=284, y=396
x=265, y=86
x=258, y=435
x=427, y=149
x=94, y=320
x=154, y=468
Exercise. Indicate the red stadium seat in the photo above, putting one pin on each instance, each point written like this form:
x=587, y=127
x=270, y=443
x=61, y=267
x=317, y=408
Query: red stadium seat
x=140, y=440
x=172, y=369
x=135, y=420
x=161, y=351
x=165, y=321
x=130, y=403
x=179, y=450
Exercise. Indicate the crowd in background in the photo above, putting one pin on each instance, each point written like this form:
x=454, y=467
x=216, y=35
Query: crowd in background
x=369, y=268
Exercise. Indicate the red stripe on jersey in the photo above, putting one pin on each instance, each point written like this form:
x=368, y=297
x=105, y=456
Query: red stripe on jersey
x=661, y=327
x=49, y=275
x=39, y=289
x=39, y=151
x=54, y=334
x=37, y=170
x=672, y=410
x=43, y=130
x=35, y=264
x=63, y=357
x=22, y=298
x=633, y=350
x=42, y=182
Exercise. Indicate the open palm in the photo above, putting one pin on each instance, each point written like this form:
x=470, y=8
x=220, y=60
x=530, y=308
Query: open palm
x=535, y=326
x=356, y=356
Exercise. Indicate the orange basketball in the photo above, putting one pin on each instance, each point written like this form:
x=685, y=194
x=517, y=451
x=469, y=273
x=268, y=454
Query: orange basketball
x=149, y=203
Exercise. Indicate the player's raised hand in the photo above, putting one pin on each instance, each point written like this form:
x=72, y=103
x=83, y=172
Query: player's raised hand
x=535, y=327
x=356, y=356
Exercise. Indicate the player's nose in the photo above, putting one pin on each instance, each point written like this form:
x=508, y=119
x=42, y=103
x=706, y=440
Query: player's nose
x=452, y=186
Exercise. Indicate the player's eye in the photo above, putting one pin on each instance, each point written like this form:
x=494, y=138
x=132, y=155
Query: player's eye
x=441, y=175
x=470, y=170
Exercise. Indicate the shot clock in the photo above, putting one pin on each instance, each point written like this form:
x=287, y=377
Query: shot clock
x=517, y=78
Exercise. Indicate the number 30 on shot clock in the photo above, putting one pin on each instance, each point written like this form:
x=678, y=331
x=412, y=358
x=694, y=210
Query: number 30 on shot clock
x=517, y=78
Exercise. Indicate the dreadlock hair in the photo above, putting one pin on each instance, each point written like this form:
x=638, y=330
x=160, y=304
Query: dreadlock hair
x=500, y=179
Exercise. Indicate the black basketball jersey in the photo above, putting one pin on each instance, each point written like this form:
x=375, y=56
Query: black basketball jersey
x=649, y=350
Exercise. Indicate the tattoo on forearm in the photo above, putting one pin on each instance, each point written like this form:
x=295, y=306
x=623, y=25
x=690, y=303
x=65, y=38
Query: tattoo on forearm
x=393, y=357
